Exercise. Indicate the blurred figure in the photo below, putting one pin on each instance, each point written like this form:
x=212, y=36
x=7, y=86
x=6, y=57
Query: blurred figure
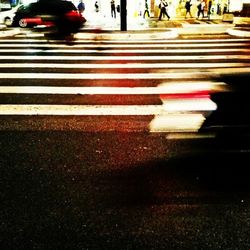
x=209, y=9
x=113, y=11
x=81, y=6
x=163, y=11
x=96, y=6
x=146, y=11
x=188, y=8
x=201, y=8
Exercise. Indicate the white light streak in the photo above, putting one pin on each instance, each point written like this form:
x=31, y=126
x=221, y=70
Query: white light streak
x=195, y=104
x=177, y=123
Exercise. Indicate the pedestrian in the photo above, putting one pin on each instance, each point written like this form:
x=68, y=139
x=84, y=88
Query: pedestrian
x=209, y=9
x=201, y=8
x=146, y=11
x=113, y=10
x=81, y=6
x=96, y=6
x=188, y=8
x=163, y=9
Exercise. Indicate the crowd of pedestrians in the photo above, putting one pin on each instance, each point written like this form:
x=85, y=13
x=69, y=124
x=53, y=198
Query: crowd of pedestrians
x=191, y=10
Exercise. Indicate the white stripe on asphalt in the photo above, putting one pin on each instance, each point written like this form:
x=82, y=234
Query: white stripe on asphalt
x=83, y=41
x=97, y=110
x=121, y=51
x=126, y=58
x=89, y=76
x=165, y=88
x=100, y=45
x=122, y=65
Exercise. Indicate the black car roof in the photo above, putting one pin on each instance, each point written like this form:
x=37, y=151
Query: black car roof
x=48, y=6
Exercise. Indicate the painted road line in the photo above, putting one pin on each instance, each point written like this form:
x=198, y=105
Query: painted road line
x=142, y=45
x=95, y=110
x=123, y=51
x=122, y=65
x=164, y=88
x=127, y=58
x=143, y=41
x=129, y=76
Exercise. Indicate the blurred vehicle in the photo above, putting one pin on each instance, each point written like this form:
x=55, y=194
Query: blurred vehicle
x=6, y=16
x=230, y=122
x=60, y=14
x=211, y=117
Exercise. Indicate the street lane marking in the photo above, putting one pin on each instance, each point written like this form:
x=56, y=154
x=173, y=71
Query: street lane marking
x=129, y=76
x=96, y=110
x=164, y=88
x=127, y=58
x=122, y=65
x=122, y=51
x=109, y=45
x=143, y=41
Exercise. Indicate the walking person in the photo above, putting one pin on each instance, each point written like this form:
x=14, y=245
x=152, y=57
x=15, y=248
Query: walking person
x=201, y=8
x=96, y=6
x=113, y=11
x=81, y=6
x=188, y=8
x=163, y=11
x=209, y=9
x=146, y=11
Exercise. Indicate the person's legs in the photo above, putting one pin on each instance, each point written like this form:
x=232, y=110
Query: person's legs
x=166, y=13
x=160, y=14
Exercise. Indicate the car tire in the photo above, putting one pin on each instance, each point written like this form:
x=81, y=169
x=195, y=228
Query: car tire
x=7, y=21
x=22, y=23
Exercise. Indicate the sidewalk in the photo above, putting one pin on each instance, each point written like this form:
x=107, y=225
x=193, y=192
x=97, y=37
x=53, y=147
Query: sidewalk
x=180, y=25
x=176, y=25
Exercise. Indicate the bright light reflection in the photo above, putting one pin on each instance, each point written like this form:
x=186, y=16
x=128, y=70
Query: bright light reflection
x=190, y=87
x=188, y=104
x=177, y=123
x=197, y=104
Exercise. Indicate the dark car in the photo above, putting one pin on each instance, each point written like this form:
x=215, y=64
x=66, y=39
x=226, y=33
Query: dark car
x=59, y=14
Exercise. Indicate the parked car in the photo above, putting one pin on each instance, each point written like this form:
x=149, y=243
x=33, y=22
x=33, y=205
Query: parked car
x=61, y=14
x=6, y=16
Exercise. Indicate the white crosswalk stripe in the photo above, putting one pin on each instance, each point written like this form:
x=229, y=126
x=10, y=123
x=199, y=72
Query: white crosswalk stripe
x=177, y=74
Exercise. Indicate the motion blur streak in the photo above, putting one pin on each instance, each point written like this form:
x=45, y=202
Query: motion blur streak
x=177, y=123
x=192, y=104
x=193, y=87
x=189, y=103
x=191, y=135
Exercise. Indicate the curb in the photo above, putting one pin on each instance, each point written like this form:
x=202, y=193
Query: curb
x=204, y=28
x=150, y=33
x=126, y=35
x=241, y=32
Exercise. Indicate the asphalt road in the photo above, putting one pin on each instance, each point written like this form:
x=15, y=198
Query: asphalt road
x=81, y=182
x=74, y=190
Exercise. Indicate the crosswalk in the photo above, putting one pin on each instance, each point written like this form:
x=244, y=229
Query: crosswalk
x=98, y=82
